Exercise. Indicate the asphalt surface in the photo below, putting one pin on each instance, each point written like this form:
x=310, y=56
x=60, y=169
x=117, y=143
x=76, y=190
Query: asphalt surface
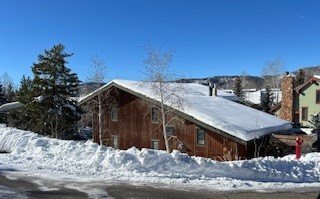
x=25, y=187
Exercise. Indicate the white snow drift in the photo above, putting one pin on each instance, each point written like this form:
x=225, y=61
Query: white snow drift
x=88, y=161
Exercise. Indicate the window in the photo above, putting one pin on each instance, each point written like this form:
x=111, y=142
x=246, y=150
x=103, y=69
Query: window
x=114, y=113
x=155, y=114
x=304, y=113
x=169, y=130
x=200, y=137
x=318, y=96
x=114, y=140
x=155, y=144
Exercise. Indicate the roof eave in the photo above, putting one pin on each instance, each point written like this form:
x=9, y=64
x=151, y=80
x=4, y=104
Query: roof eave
x=311, y=80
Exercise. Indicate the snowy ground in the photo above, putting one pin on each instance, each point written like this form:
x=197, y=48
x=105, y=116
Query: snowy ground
x=64, y=161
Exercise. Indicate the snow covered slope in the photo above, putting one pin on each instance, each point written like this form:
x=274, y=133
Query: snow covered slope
x=52, y=158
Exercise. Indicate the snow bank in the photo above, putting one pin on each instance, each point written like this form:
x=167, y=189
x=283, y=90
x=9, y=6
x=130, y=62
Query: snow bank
x=29, y=151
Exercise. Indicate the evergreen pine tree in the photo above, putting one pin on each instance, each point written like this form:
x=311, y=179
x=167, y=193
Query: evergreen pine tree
x=300, y=77
x=267, y=100
x=8, y=87
x=55, y=89
x=2, y=96
x=22, y=118
x=3, y=100
x=238, y=89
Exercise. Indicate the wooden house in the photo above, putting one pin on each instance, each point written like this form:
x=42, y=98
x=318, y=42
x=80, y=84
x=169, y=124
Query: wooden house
x=299, y=104
x=196, y=123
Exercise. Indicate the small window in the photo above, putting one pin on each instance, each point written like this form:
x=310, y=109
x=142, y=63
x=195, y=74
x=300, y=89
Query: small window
x=115, y=141
x=318, y=96
x=155, y=144
x=170, y=131
x=114, y=113
x=200, y=137
x=304, y=113
x=155, y=114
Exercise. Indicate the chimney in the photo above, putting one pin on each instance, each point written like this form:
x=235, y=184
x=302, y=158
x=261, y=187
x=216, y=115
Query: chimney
x=215, y=90
x=211, y=85
x=287, y=104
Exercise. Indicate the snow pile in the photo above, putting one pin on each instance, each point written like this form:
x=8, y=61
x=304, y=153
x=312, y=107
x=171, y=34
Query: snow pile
x=45, y=156
x=10, y=106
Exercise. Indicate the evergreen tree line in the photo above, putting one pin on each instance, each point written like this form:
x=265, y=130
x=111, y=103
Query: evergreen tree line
x=50, y=106
x=7, y=94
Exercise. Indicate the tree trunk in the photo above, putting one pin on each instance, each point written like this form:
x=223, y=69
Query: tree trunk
x=164, y=119
x=100, y=117
x=57, y=124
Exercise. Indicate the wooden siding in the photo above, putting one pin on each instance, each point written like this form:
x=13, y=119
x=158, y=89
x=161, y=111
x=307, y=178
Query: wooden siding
x=135, y=128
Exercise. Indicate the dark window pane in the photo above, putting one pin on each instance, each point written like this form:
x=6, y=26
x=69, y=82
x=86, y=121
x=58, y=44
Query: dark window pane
x=154, y=114
x=114, y=113
x=170, y=130
x=200, y=137
x=115, y=142
x=304, y=113
x=318, y=96
x=155, y=144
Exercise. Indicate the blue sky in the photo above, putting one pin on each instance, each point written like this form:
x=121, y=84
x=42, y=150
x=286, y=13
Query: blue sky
x=227, y=37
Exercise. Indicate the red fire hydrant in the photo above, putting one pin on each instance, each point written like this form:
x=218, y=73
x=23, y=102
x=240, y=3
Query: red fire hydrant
x=299, y=141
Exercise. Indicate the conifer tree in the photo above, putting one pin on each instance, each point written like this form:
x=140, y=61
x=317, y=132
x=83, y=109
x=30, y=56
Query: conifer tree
x=238, y=89
x=55, y=89
x=24, y=118
x=267, y=100
x=3, y=100
x=2, y=96
x=8, y=87
x=300, y=77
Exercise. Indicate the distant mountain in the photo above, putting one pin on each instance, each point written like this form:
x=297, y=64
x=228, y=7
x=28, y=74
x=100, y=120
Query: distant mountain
x=250, y=82
x=223, y=82
x=227, y=82
x=86, y=88
x=309, y=71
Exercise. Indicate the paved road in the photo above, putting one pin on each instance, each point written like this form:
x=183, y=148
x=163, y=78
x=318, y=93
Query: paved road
x=22, y=188
x=126, y=191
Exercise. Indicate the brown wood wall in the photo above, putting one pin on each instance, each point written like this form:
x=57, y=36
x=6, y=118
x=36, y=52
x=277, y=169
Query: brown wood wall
x=135, y=128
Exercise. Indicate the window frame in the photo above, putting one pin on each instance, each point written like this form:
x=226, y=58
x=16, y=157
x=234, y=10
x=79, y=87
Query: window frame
x=114, y=113
x=197, y=137
x=113, y=138
x=172, y=127
x=153, y=146
x=155, y=111
x=317, y=96
x=304, y=113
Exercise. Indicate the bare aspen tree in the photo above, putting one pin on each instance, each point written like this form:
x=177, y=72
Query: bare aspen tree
x=159, y=73
x=272, y=72
x=244, y=79
x=98, y=72
x=8, y=86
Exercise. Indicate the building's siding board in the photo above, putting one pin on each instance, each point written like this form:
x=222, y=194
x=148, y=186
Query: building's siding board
x=307, y=98
x=134, y=128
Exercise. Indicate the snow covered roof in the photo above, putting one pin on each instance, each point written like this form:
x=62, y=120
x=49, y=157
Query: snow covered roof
x=213, y=112
x=10, y=106
x=256, y=95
